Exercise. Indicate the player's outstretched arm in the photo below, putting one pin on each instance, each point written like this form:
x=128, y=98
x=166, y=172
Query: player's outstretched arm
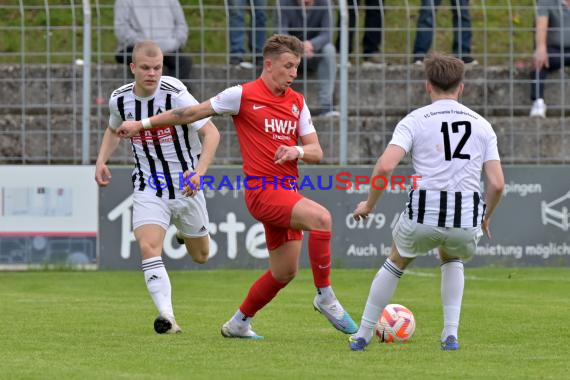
x=108, y=145
x=495, y=185
x=210, y=141
x=177, y=116
x=384, y=167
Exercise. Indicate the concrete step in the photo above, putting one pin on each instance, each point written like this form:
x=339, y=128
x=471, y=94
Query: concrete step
x=521, y=139
x=389, y=91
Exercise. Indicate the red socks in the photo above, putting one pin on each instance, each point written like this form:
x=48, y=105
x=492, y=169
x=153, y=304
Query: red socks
x=261, y=292
x=266, y=287
x=320, y=257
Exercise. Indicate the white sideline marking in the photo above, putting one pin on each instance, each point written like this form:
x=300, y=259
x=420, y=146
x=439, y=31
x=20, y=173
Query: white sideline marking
x=419, y=274
x=427, y=274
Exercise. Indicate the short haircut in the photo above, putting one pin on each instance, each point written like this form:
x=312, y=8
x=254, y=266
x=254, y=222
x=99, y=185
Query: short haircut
x=444, y=71
x=282, y=43
x=148, y=48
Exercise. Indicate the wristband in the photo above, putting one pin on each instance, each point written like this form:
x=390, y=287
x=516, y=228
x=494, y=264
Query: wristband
x=300, y=150
x=146, y=123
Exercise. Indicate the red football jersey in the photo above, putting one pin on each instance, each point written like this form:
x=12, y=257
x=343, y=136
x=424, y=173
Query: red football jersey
x=263, y=123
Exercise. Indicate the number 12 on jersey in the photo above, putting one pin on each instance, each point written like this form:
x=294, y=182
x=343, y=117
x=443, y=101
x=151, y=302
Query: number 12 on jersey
x=447, y=145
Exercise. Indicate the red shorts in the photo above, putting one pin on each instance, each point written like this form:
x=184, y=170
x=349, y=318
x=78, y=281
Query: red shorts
x=273, y=208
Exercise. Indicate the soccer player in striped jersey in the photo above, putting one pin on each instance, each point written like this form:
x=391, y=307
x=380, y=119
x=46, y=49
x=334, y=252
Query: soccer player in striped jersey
x=450, y=145
x=161, y=154
x=270, y=118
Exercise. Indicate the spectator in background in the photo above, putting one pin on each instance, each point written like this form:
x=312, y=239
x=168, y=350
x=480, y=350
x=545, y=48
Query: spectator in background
x=552, y=47
x=161, y=21
x=373, y=17
x=237, y=32
x=310, y=21
x=461, y=28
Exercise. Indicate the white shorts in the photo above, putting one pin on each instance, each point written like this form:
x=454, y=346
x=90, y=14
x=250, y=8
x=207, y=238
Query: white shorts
x=188, y=214
x=413, y=239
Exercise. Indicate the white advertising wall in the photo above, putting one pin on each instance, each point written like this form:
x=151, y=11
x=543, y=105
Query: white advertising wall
x=48, y=216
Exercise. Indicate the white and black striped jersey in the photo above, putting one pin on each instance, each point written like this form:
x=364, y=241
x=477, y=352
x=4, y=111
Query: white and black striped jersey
x=162, y=152
x=449, y=143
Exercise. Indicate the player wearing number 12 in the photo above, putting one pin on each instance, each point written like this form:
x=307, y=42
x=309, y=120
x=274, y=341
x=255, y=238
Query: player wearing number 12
x=450, y=145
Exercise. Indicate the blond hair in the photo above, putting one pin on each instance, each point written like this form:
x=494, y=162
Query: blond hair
x=282, y=43
x=148, y=48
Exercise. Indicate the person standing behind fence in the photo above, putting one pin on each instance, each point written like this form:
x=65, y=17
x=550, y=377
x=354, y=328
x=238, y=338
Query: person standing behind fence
x=311, y=22
x=461, y=30
x=237, y=32
x=450, y=145
x=373, y=23
x=161, y=155
x=161, y=21
x=552, y=41
x=270, y=118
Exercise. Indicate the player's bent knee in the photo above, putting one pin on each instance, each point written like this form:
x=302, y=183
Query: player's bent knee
x=200, y=257
x=323, y=221
x=198, y=249
x=200, y=260
x=401, y=262
x=398, y=260
x=285, y=276
x=149, y=249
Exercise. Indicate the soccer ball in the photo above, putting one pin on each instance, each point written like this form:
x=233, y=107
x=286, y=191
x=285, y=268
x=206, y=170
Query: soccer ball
x=396, y=324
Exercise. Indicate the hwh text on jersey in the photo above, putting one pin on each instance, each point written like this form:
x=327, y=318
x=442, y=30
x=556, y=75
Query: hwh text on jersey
x=281, y=129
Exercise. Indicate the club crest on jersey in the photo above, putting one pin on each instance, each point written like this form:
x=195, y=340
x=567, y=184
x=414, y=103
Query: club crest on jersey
x=295, y=110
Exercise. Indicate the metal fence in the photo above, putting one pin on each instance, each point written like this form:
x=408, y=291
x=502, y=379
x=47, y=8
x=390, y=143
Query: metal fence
x=45, y=64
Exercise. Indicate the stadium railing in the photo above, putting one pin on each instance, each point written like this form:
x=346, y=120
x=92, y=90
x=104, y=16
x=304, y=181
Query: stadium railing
x=41, y=60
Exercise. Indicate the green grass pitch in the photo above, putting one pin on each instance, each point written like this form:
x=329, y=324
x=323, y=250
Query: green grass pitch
x=98, y=325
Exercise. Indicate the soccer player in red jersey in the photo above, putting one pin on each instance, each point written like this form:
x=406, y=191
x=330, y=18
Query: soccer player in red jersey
x=269, y=118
